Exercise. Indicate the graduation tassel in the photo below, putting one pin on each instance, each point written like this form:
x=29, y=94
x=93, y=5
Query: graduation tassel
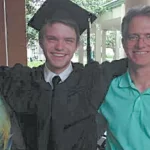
x=89, y=57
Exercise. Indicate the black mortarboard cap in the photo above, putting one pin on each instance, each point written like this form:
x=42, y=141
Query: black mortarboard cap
x=62, y=9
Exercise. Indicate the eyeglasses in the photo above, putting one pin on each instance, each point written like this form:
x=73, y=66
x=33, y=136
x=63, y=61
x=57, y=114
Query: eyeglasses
x=134, y=38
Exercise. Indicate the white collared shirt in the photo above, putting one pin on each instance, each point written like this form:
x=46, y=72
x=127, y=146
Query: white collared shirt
x=48, y=75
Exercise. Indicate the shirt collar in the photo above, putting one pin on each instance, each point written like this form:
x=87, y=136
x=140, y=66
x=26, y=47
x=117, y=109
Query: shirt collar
x=125, y=81
x=48, y=74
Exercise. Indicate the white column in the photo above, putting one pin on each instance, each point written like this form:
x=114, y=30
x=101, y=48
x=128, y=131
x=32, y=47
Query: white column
x=98, y=41
x=117, y=45
x=93, y=36
x=81, y=52
x=122, y=52
x=103, y=45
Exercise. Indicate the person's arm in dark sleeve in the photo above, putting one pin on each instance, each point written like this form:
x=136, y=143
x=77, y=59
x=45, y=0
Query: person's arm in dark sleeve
x=114, y=68
x=16, y=87
x=3, y=72
x=99, y=77
x=109, y=71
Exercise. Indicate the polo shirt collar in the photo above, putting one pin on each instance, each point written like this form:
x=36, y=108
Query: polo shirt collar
x=125, y=81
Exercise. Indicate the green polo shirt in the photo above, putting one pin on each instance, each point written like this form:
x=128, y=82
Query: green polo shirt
x=127, y=112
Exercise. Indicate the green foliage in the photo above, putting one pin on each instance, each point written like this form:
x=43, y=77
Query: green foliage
x=32, y=35
x=110, y=39
x=30, y=32
x=92, y=6
x=35, y=63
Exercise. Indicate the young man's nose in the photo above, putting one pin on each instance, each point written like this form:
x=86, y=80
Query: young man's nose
x=59, y=45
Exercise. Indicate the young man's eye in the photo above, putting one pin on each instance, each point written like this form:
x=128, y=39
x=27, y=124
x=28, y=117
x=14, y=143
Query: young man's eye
x=69, y=40
x=51, y=39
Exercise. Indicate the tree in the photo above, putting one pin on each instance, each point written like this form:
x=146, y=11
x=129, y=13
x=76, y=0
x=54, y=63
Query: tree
x=94, y=6
x=30, y=33
x=31, y=8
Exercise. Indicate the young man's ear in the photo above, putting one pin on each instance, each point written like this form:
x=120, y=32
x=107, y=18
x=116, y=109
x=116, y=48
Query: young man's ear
x=77, y=45
x=41, y=43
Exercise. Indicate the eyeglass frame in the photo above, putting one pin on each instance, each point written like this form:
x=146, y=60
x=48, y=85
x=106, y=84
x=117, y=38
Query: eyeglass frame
x=134, y=38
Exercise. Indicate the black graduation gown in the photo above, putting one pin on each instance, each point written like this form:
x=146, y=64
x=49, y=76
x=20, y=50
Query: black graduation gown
x=74, y=105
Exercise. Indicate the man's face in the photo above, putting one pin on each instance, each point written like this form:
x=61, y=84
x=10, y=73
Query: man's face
x=59, y=43
x=137, y=44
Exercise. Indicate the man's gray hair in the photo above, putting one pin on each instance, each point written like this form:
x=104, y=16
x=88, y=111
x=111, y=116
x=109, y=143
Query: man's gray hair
x=141, y=10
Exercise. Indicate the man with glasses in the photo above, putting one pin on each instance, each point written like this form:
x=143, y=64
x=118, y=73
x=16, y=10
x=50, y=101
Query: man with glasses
x=127, y=104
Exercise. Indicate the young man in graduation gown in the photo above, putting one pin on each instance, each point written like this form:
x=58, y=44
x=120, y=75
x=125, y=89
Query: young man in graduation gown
x=59, y=116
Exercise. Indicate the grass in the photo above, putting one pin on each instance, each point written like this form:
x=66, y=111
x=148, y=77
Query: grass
x=35, y=63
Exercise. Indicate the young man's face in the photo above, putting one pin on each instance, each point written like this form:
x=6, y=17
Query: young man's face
x=59, y=43
x=137, y=44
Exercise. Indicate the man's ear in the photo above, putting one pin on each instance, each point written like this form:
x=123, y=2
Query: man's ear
x=124, y=45
x=123, y=42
